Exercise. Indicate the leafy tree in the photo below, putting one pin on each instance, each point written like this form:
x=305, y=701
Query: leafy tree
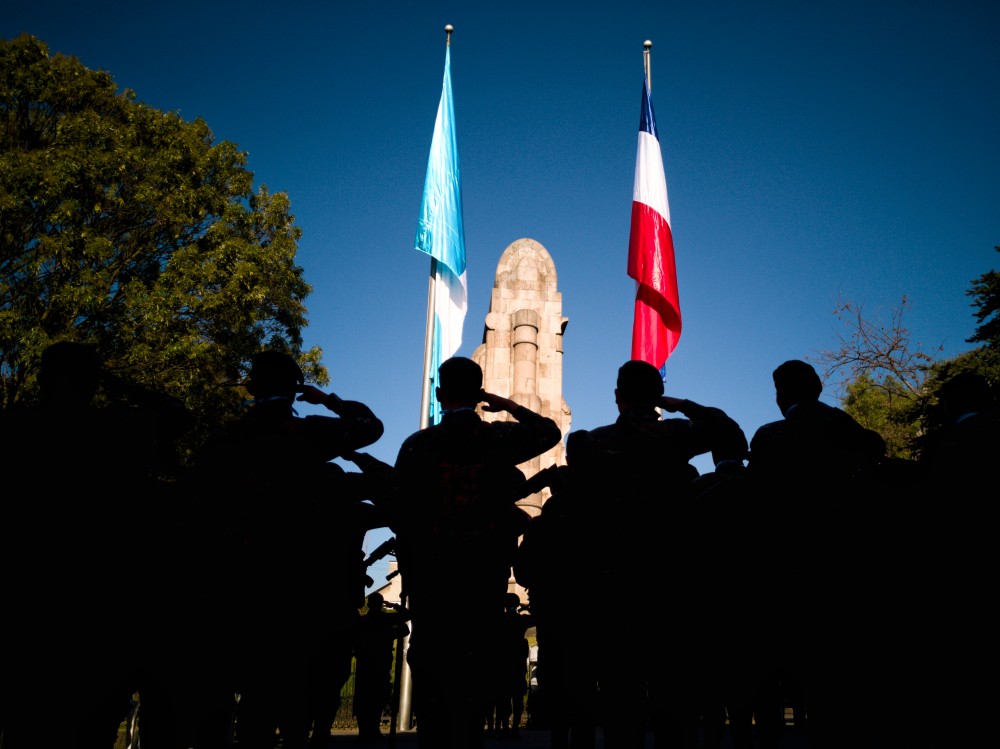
x=129, y=228
x=886, y=407
x=985, y=359
x=882, y=375
x=926, y=410
x=985, y=291
x=881, y=355
x=890, y=384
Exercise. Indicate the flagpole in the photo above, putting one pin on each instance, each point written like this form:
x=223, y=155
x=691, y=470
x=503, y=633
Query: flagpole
x=647, y=45
x=425, y=393
x=647, y=64
x=404, y=687
x=648, y=69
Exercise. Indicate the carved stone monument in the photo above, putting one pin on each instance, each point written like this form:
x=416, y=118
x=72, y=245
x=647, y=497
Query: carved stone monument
x=522, y=349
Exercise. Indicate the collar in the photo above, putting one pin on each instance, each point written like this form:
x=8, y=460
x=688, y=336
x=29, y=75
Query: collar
x=460, y=409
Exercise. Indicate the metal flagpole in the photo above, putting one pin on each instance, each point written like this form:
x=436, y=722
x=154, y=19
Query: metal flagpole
x=397, y=681
x=425, y=393
x=405, y=683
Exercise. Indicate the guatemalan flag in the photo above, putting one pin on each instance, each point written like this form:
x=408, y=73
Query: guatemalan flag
x=657, y=324
x=441, y=234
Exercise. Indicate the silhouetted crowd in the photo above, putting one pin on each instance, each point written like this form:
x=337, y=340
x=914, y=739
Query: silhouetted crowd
x=808, y=571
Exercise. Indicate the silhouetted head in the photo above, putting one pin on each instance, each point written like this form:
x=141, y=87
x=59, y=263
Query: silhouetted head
x=70, y=372
x=639, y=386
x=731, y=450
x=375, y=601
x=965, y=393
x=512, y=601
x=274, y=373
x=460, y=382
x=795, y=382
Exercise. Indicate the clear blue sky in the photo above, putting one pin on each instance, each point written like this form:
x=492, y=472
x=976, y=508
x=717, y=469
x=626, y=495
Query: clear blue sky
x=813, y=152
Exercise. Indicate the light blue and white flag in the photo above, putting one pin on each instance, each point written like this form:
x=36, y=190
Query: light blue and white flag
x=440, y=233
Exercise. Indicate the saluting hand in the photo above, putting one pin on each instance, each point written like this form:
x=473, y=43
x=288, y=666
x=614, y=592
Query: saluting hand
x=671, y=404
x=495, y=403
x=312, y=394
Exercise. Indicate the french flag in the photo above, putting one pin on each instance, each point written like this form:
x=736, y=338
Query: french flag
x=657, y=324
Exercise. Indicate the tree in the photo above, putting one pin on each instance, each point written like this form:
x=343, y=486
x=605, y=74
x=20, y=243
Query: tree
x=883, y=354
x=985, y=359
x=890, y=385
x=985, y=291
x=882, y=374
x=129, y=228
x=886, y=407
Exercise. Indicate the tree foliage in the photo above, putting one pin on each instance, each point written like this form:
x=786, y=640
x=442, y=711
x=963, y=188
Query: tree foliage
x=985, y=292
x=880, y=354
x=886, y=407
x=890, y=384
x=984, y=359
x=129, y=228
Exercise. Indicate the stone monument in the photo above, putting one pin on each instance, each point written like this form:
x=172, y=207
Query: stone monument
x=522, y=349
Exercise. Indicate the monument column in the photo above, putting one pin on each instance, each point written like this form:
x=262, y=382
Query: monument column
x=525, y=359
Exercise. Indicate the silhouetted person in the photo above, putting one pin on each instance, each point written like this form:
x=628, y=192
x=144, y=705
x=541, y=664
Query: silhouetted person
x=954, y=561
x=721, y=579
x=806, y=471
x=511, y=683
x=456, y=528
x=280, y=569
x=80, y=577
x=380, y=628
x=635, y=473
x=968, y=434
x=553, y=564
x=336, y=593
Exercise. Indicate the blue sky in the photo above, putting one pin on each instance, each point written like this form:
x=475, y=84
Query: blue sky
x=813, y=152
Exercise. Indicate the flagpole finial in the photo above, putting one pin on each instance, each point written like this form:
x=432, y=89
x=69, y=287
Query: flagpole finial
x=447, y=30
x=647, y=45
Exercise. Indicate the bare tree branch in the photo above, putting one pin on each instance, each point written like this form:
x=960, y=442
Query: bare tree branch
x=882, y=352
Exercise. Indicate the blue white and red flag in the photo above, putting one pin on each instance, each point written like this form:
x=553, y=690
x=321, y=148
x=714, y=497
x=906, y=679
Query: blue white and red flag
x=656, y=327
